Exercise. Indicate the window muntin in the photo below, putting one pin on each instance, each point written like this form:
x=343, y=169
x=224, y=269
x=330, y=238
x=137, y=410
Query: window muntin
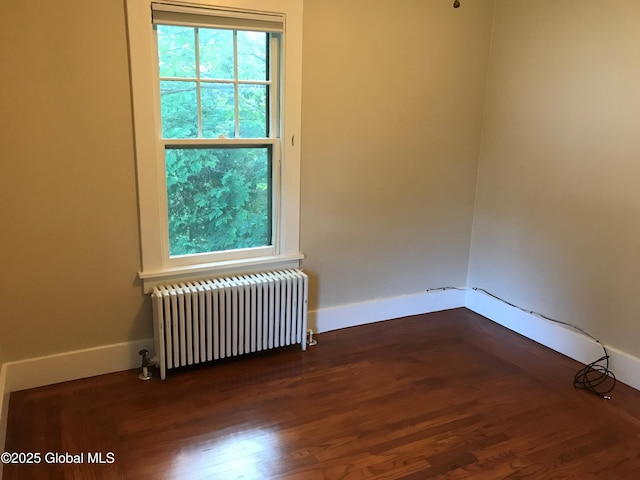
x=217, y=84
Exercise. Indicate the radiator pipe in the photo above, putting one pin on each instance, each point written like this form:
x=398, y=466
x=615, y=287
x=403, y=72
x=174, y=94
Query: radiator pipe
x=146, y=363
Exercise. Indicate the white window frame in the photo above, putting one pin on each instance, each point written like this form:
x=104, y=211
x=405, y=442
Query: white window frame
x=157, y=266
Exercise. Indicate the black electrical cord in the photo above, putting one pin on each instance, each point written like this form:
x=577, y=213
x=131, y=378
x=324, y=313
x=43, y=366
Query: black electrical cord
x=595, y=377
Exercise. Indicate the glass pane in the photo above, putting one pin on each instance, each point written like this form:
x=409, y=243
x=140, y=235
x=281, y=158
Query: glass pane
x=176, y=51
x=218, y=198
x=252, y=55
x=216, y=53
x=252, y=115
x=218, y=110
x=179, y=109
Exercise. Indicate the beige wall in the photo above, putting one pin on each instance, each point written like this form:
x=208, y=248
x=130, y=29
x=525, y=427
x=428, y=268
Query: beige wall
x=392, y=105
x=70, y=249
x=392, y=108
x=556, y=225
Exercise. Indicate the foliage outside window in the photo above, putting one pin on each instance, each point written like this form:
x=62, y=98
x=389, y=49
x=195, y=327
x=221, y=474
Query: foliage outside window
x=215, y=84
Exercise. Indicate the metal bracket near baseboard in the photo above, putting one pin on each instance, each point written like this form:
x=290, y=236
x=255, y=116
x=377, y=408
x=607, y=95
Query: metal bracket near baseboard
x=310, y=341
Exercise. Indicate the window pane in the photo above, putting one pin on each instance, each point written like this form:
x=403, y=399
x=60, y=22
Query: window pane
x=218, y=109
x=179, y=109
x=252, y=115
x=176, y=51
x=252, y=55
x=218, y=198
x=216, y=53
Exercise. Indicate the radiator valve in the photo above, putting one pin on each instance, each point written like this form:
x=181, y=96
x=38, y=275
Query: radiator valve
x=146, y=363
x=310, y=340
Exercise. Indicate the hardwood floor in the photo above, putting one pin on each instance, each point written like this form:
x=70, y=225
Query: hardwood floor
x=447, y=395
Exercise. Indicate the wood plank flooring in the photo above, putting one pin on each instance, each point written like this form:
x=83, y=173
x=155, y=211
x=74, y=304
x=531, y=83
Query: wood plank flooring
x=447, y=395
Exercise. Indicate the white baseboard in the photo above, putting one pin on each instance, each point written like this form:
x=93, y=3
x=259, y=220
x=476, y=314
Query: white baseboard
x=335, y=318
x=89, y=362
x=555, y=336
x=36, y=372
x=62, y=367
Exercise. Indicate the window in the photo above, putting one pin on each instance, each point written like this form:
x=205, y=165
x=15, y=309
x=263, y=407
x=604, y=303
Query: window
x=218, y=88
x=217, y=119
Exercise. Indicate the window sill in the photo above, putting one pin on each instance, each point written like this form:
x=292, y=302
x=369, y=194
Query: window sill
x=151, y=279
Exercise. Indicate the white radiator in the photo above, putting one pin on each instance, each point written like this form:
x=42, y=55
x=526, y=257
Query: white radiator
x=206, y=320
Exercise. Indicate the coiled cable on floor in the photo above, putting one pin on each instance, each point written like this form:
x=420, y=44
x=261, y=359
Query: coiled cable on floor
x=595, y=377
